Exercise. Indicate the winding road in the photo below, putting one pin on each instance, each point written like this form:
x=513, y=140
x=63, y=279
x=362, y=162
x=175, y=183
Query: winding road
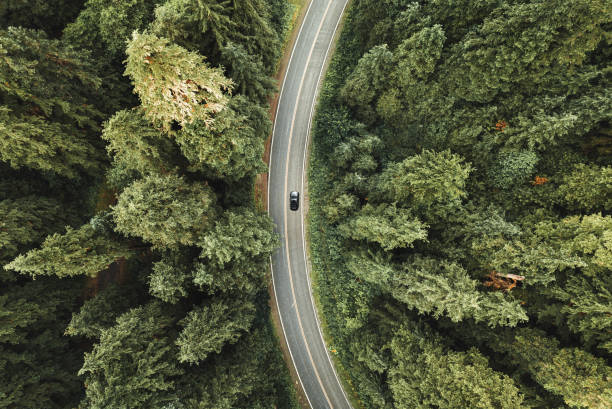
x=286, y=173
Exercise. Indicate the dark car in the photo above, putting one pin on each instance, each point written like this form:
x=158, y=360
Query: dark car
x=294, y=200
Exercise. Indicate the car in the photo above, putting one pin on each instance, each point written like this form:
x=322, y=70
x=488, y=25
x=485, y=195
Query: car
x=294, y=200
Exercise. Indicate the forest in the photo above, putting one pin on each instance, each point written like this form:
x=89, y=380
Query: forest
x=461, y=203
x=133, y=257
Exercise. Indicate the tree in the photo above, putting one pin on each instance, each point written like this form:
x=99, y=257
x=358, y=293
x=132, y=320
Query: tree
x=583, y=380
x=100, y=312
x=247, y=72
x=173, y=84
x=436, y=287
x=134, y=364
x=235, y=252
x=241, y=236
x=165, y=210
x=38, y=364
x=368, y=80
x=168, y=279
x=106, y=27
x=50, y=16
x=426, y=179
x=233, y=146
x=209, y=327
x=194, y=24
x=84, y=251
x=501, y=54
x=386, y=225
x=425, y=374
x=588, y=187
x=135, y=144
x=48, y=115
x=26, y=221
x=35, y=143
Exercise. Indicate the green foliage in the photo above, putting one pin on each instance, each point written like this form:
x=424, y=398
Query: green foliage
x=84, y=251
x=38, y=364
x=133, y=143
x=583, y=380
x=513, y=168
x=47, y=104
x=165, y=211
x=492, y=126
x=134, y=365
x=106, y=26
x=440, y=288
x=100, y=312
x=208, y=328
x=242, y=235
x=426, y=179
x=247, y=72
x=386, y=225
x=427, y=375
x=588, y=187
x=26, y=221
x=173, y=84
x=167, y=281
x=233, y=145
x=48, y=15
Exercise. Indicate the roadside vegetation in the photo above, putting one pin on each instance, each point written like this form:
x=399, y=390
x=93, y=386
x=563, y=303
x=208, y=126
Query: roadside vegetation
x=133, y=259
x=461, y=195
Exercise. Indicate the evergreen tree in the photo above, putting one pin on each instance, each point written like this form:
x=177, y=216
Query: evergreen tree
x=100, y=312
x=84, y=251
x=209, y=327
x=134, y=364
x=106, y=26
x=588, y=187
x=440, y=288
x=134, y=144
x=386, y=225
x=583, y=380
x=426, y=179
x=165, y=211
x=173, y=84
x=427, y=375
x=38, y=364
x=49, y=113
x=233, y=145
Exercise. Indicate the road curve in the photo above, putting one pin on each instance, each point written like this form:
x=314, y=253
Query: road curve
x=287, y=168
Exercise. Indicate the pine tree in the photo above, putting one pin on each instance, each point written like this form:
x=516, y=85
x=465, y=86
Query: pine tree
x=502, y=53
x=84, y=251
x=247, y=72
x=134, y=364
x=583, y=380
x=106, y=27
x=100, y=312
x=209, y=327
x=38, y=364
x=173, y=84
x=165, y=210
x=232, y=146
x=588, y=187
x=436, y=287
x=133, y=143
x=49, y=115
x=426, y=179
x=386, y=225
x=425, y=374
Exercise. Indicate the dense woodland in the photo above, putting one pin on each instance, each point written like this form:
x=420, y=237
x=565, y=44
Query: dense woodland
x=133, y=255
x=461, y=199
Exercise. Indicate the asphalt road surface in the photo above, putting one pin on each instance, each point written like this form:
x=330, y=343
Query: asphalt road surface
x=287, y=168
